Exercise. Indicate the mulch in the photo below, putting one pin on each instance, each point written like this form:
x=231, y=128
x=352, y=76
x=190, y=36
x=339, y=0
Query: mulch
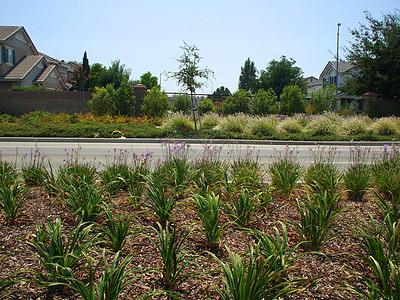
x=334, y=266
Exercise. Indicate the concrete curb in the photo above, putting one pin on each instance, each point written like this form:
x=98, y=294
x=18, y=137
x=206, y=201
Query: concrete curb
x=192, y=141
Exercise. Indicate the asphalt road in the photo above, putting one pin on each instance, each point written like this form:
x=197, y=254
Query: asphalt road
x=102, y=151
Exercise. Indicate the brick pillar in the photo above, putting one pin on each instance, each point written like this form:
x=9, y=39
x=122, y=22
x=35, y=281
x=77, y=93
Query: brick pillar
x=139, y=90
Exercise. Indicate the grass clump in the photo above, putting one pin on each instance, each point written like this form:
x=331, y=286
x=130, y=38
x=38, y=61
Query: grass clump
x=179, y=121
x=386, y=126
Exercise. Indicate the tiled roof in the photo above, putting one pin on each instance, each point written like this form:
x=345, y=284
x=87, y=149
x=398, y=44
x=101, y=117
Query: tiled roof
x=343, y=65
x=7, y=31
x=45, y=73
x=24, y=67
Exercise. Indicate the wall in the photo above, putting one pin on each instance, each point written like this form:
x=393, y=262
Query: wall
x=21, y=102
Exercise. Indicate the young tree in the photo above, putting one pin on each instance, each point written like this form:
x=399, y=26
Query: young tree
x=97, y=74
x=264, y=102
x=115, y=74
x=148, y=80
x=280, y=74
x=375, y=53
x=292, y=100
x=247, y=75
x=125, y=99
x=102, y=102
x=205, y=106
x=189, y=75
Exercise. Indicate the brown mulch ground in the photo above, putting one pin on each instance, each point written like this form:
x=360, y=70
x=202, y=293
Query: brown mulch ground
x=332, y=267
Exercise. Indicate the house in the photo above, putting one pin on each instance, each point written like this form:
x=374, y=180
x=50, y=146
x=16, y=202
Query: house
x=313, y=84
x=329, y=76
x=21, y=64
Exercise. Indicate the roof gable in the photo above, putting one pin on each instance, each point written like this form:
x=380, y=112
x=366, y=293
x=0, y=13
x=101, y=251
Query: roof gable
x=50, y=69
x=20, y=71
x=344, y=66
x=7, y=32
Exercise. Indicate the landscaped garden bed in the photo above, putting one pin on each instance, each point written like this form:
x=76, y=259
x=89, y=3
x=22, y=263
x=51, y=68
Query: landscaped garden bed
x=203, y=227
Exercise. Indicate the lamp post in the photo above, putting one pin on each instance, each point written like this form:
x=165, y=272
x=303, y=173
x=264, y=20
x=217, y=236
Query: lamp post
x=337, y=68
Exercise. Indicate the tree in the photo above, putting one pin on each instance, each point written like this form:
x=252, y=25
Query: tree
x=247, y=75
x=97, y=74
x=148, y=80
x=280, y=74
x=375, y=54
x=155, y=103
x=189, y=75
x=220, y=93
x=238, y=102
x=79, y=78
x=322, y=100
x=183, y=103
x=264, y=102
x=292, y=100
x=125, y=99
x=115, y=74
x=86, y=70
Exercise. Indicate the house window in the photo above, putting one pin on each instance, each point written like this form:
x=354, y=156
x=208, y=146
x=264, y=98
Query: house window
x=8, y=56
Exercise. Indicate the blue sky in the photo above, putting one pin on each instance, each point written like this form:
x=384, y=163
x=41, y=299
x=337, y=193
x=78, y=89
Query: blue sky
x=146, y=35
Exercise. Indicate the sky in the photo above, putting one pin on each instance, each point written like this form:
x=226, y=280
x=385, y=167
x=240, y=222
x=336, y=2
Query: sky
x=147, y=35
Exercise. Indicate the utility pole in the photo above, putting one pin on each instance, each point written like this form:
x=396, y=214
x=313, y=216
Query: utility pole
x=337, y=69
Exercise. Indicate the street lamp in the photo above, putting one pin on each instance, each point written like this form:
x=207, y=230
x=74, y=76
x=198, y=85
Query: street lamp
x=337, y=68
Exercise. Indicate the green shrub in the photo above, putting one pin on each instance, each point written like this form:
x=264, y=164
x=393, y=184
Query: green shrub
x=235, y=123
x=322, y=100
x=206, y=106
x=264, y=102
x=30, y=88
x=209, y=120
x=261, y=127
x=325, y=124
x=102, y=101
x=354, y=126
x=182, y=103
x=292, y=100
x=386, y=126
x=290, y=125
x=237, y=103
x=179, y=122
x=155, y=103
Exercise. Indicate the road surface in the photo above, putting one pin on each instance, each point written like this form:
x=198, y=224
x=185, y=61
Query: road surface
x=102, y=152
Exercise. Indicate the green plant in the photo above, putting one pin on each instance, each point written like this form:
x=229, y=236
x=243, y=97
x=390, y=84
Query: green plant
x=207, y=209
x=160, y=202
x=155, y=103
x=253, y=279
x=241, y=207
x=325, y=124
x=209, y=121
x=292, y=100
x=290, y=125
x=386, y=126
x=115, y=230
x=59, y=252
x=235, y=123
x=355, y=125
x=318, y=213
x=386, y=171
x=182, y=103
x=205, y=106
x=178, y=122
x=285, y=171
x=237, y=103
x=33, y=168
x=84, y=199
x=170, y=244
x=113, y=282
x=261, y=127
x=276, y=249
x=357, y=181
x=264, y=102
x=322, y=100
x=322, y=177
x=117, y=171
x=12, y=197
x=7, y=282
